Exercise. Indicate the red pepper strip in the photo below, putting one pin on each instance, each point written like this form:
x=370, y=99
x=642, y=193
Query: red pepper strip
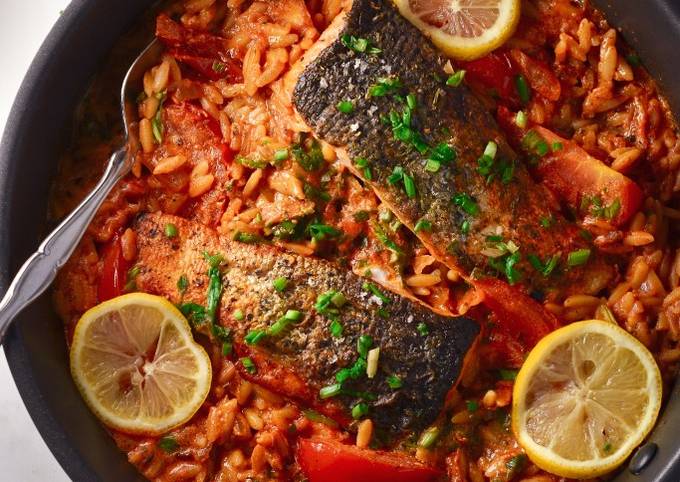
x=502, y=351
x=517, y=314
x=114, y=271
x=571, y=173
x=207, y=54
x=494, y=71
x=332, y=461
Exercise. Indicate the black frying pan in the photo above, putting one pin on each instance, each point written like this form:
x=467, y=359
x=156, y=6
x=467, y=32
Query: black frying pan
x=38, y=129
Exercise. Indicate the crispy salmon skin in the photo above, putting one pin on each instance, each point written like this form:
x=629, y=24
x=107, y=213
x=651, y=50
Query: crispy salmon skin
x=421, y=353
x=377, y=91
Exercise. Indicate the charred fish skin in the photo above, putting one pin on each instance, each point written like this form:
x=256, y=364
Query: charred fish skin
x=423, y=350
x=463, y=203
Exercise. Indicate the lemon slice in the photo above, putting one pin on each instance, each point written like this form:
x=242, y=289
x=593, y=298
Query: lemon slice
x=463, y=29
x=137, y=365
x=586, y=396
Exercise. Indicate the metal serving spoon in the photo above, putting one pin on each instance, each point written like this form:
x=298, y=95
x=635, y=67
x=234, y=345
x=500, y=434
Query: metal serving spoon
x=38, y=272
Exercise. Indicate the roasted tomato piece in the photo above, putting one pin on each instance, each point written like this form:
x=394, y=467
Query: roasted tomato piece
x=114, y=271
x=206, y=54
x=332, y=461
x=495, y=72
x=539, y=75
x=587, y=184
x=516, y=313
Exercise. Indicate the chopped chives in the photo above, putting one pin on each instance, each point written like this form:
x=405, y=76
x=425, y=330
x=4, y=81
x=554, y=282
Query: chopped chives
x=338, y=299
x=227, y=348
x=281, y=155
x=280, y=284
x=546, y=221
x=170, y=230
x=345, y=106
x=168, y=444
x=423, y=225
x=248, y=364
x=411, y=101
x=432, y=165
x=359, y=410
x=557, y=146
x=238, y=315
x=247, y=238
x=372, y=362
x=315, y=416
x=330, y=391
x=279, y=326
x=360, y=45
x=293, y=315
x=456, y=78
x=465, y=227
x=429, y=437
x=336, y=329
x=396, y=176
x=523, y=89
x=254, y=337
x=219, y=67
x=374, y=289
x=521, y=119
x=394, y=382
x=409, y=186
x=634, y=60
x=491, y=149
x=504, y=374
x=423, y=329
x=182, y=284
x=578, y=257
x=364, y=343
x=466, y=203
x=471, y=405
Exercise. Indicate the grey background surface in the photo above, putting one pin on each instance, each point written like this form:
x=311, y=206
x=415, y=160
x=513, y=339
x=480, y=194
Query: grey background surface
x=24, y=457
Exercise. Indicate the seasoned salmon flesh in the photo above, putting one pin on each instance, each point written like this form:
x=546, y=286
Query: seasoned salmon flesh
x=332, y=319
x=375, y=88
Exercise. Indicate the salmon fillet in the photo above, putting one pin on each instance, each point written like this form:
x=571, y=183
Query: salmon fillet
x=432, y=152
x=421, y=351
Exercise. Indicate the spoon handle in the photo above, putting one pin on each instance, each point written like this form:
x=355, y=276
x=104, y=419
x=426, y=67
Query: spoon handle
x=38, y=272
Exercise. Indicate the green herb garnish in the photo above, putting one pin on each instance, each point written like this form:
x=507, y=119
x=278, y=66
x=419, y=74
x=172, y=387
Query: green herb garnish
x=168, y=444
x=248, y=364
x=423, y=225
x=281, y=155
x=385, y=86
x=366, y=286
x=182, y=284
x=254, y=337
x=359, y=410
x=330, y=391
x=394, y=382
x=523, y=89
x=280, y=284
x=360, y=45
x=521, y=119
x=170, y=230
x=345, y=106
x=466, y=203
x=157, y=122
x=456, y=78
x=578, y=257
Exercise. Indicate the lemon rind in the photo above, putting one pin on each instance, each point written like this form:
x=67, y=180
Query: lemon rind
x=141, y=425
x=469, y=48
x=554, y=463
